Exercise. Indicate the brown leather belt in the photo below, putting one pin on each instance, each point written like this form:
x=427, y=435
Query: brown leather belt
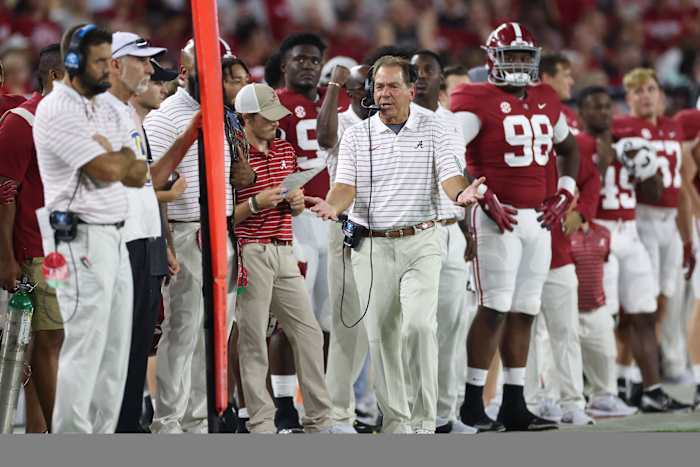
x=265, y=241
x=450, y=221
x=398, y=233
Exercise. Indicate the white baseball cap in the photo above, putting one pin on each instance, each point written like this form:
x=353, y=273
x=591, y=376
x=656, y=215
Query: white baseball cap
x=327, y=69
x=128, y=43
x=258, y=98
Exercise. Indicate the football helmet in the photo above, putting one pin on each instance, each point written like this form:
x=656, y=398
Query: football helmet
x=504, y=71
x=638, y=156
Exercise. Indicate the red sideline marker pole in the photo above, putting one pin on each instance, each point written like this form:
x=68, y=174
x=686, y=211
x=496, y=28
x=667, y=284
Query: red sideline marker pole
x=206, y=36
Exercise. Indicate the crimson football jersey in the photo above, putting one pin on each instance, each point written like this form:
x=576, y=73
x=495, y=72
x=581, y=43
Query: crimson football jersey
x=571, y=119
x=666, y=137
x=515, y=139
x=299, y=129
x=689, y=121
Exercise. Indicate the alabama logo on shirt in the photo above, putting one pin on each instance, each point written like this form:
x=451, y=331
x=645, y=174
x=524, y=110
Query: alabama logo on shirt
x=139, y=143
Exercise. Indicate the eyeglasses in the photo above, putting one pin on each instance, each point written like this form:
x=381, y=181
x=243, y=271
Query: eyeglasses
x=140, y=43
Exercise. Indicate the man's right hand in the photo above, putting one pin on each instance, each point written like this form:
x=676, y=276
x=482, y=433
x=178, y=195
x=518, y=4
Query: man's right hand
x=269, y=198
x=503, y=216
x=321, y=208
x=179, y=186
x=10, y=273
x=340, y=75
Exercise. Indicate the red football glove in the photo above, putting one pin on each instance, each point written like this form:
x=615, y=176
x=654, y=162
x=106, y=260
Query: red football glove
x=8, y=191
x=688, y=260
x=554, y=208
x=503, y=216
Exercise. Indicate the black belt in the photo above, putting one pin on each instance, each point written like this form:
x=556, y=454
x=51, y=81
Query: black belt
x=118, y=225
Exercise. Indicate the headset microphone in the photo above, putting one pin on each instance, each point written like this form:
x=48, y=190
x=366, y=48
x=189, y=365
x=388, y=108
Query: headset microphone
x=369, y=107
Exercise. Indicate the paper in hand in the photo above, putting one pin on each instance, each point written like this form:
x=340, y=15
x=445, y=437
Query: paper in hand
x=299, y=179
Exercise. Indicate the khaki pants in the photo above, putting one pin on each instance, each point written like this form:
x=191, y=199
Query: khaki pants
x=348, y=346
x=96, y=308
x=404, y=275
x=599, y=351
x=181, y=395
x=276, y=286
x=560, y=313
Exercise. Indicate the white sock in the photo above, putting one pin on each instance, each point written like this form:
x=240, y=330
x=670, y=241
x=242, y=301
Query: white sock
x=243, y=413
x=696, y=373
x=636, y=375
x=625, y=371
x=515, y=376
x=284, y=385
x=476, y=376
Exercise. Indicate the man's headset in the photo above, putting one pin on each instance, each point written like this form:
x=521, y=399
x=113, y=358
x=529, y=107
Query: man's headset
x=368, y=100
x=74, y=60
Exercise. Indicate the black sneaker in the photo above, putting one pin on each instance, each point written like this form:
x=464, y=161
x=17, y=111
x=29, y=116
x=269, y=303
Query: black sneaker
x=480, y=421
x=696, y=400
x=635, y=394
x=229, y=420
x=521, y=419
x=622, y=390
x=287, y=421
x=366, y=428
x=242, y=427
x=657, y=400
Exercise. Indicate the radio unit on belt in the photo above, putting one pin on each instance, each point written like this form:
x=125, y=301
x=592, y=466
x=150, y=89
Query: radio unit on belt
x=65, y=225
x=352, y=232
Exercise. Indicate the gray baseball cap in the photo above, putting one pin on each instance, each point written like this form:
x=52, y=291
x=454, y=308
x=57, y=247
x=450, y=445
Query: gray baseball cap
x=257, y=98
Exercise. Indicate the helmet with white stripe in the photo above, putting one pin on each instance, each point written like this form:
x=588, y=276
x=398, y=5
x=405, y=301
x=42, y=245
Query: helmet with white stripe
x=638, y=156
x=511, y=56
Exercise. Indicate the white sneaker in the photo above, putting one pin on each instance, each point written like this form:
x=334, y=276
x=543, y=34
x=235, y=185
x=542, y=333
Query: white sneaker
x=338, y=429
x=172, y=428
x=610, y=405
x=198, y=428
x=460, y=428
x=577, y=417
x=549, y=410
x=341, y=428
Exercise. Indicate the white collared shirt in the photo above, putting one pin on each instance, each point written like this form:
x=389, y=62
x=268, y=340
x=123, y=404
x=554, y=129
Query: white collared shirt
x=64, y=125
x=143, y=219
x=163, y=127
x=406, y=170
x=448, y=209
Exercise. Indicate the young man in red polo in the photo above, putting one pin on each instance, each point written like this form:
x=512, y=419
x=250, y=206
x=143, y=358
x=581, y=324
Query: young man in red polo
x=273, y=283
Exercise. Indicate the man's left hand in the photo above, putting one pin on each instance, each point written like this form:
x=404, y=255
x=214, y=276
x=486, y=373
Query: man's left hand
x=296, y=201
x=470, y=194
x=321, y=208
x=688, y=260
x=554, y=208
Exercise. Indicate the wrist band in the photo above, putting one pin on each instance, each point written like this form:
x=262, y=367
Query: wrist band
x=253, y=205
x=567, y=183
x=333, y=83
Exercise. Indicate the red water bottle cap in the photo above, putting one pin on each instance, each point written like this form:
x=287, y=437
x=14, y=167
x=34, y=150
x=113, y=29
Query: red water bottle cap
x=55, y=269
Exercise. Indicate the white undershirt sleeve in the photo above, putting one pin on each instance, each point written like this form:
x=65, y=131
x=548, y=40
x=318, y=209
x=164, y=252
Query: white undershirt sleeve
x=561, y=129
x=470, y=124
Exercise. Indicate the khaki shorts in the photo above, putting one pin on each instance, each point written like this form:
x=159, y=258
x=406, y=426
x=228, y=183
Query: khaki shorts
x=47, y=316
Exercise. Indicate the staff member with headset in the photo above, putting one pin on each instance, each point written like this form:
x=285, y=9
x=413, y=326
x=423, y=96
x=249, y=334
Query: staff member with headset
x=85, y=162
x=391, y=166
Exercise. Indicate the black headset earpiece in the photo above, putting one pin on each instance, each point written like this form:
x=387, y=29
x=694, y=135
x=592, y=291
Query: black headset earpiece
x=74, y=61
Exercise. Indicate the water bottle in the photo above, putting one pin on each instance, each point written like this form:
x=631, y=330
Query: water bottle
x=16, y=334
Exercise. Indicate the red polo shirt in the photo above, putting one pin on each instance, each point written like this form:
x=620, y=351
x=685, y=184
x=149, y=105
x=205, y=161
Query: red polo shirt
x=271, y=168
x=590, y=251
x=18, y=162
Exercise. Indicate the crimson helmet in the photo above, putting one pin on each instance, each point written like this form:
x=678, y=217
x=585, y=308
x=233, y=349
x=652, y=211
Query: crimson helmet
x=511, y=37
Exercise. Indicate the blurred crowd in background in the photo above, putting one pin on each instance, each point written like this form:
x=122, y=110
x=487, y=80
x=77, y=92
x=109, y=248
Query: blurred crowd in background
x=603, y=38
